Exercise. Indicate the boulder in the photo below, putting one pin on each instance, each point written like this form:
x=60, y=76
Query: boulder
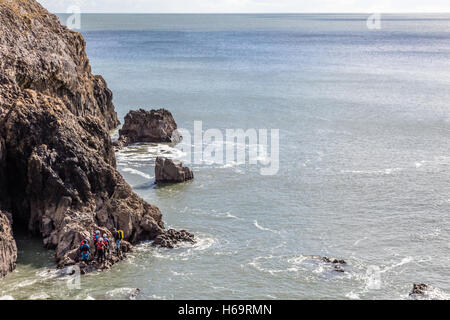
x=171, y=238
x=148, y=126
x=168, y=170
x=419, y=289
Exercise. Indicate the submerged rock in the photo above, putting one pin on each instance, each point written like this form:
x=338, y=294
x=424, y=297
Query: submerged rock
x=333, y=260
x=419, y=289
x=168, y=170
x=135, y=294
x=171, y=238
x=58, y=176
x=148, y=126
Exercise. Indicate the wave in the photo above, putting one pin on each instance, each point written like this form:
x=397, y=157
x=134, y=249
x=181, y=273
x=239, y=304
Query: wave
x=137, y=172
x=387, y=171
x=128, y=293
x=39, y=296
x=182, y=251
x=139, y=154
x=255, y=223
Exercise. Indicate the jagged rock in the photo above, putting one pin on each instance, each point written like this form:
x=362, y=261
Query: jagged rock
x=58, y=174
x=419, y=289
x=148, y=126
x=8, y=249
x=333, y=260
x=168, y=170
x=171, y=238
x=135, y=294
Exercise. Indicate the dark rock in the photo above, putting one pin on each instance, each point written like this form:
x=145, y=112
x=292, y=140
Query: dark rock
x=171, y=238
x=168, y=170
x=333, y=260
x=148, y=126
x=58, y=174
x=419, y=289
x=8, y=248
x=135, y=294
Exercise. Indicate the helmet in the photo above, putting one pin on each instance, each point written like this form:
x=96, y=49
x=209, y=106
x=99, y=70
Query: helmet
x=100, y=240
x=104, y=235
x=86, y=240
x=97, y=232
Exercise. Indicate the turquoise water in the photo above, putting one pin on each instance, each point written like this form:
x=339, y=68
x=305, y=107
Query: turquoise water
x=364, y=156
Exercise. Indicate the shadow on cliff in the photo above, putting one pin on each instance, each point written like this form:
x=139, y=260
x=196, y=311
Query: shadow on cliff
x=30, y=250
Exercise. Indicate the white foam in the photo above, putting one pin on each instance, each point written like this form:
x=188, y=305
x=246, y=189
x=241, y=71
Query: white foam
x=255, y=223
x=137, y=172
x=140, y=153
x=26, y=283
x=386, y=171
x=297, y=260
x=121, y=292
x=359, y=240
x=7, y=297
x=39, y=296
x=353, y=296
x=396, y=265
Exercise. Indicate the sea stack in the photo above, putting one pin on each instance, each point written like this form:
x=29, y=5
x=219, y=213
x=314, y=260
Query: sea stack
x=168, y=170
x=58, y=177
x=148, y=126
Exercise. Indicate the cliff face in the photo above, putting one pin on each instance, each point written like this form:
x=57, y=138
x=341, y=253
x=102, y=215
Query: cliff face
x=57, y=164
x=40, y=54
x=8, y=250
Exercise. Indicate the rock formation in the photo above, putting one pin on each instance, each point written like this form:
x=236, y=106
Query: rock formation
x=148, y=126
x=336, y=263
x=172, y=237
x=58, y=176
x=333, y=260
x=419, y=289
x=8, y=249
x=168, y=170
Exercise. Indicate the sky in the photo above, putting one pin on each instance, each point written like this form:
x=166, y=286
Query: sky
x=246, y=6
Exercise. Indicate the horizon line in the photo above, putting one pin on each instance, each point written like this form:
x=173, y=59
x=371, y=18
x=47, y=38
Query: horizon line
x=405, y=12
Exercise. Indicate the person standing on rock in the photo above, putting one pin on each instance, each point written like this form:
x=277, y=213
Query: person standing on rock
x=95, y=239
x=118, y=237
x=106, y=242
x=85, y=249
x=100, y=250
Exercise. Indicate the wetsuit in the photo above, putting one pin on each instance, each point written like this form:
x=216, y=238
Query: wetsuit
x=95, y=239
x=118, y=236
x=100, y=251
x=85, y=251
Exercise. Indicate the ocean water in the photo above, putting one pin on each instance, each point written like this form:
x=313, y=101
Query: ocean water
x=364, y=157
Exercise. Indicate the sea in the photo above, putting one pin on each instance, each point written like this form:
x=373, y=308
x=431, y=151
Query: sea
x=363, y=116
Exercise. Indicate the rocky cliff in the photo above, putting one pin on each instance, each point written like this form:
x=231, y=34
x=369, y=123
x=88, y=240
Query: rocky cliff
x=58, y=176
x=8, y=250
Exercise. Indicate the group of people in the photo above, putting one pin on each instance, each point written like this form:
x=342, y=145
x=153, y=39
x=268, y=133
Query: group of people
x=101, y=245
